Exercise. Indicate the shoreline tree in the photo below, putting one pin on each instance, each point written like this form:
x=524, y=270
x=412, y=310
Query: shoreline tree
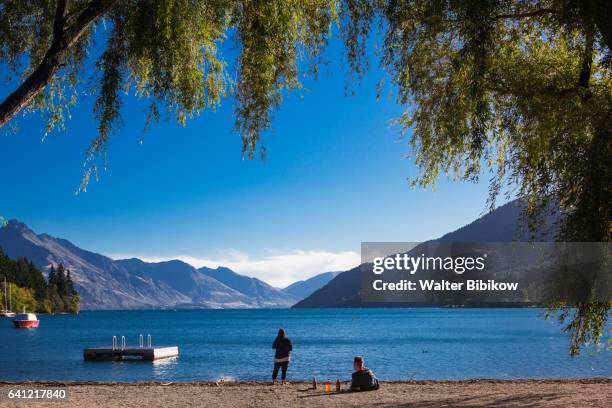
x=61, y=293
x=30, y=289
x=521, y=88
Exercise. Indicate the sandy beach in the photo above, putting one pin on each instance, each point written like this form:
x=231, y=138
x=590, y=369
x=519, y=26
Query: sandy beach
x=472, y=393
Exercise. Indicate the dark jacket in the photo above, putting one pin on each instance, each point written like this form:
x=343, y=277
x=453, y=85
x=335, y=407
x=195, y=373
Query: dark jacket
x=364, y=380
x=283, y=347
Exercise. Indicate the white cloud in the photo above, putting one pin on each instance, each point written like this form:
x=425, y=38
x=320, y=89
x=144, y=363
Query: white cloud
x=279, y=268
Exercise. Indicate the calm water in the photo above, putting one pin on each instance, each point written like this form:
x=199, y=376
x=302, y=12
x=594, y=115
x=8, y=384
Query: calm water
x=236, y=344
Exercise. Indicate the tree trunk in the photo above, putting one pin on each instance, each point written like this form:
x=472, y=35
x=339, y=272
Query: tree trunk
x=63, y=39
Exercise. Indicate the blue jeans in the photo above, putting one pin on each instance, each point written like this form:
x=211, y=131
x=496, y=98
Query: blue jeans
x=282, y=365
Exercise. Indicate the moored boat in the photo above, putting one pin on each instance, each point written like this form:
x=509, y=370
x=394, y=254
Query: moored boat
x=26, y=321
x=7, y=303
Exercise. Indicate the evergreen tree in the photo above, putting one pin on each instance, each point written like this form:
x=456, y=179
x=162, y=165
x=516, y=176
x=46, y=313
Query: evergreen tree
x=55, y=295
x=69, y=284
x=38, y=283
x=51, y=279
x=60, y=277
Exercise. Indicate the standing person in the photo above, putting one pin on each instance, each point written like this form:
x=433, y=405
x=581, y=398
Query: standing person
x=363, y=378
x=283, y=348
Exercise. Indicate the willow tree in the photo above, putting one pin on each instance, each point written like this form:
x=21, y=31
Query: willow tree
x=521, y=88
x=165, y=51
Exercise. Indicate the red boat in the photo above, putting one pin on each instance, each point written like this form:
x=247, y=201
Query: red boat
x=26, y=321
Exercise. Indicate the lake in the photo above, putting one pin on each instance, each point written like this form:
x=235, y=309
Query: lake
x=425, y=343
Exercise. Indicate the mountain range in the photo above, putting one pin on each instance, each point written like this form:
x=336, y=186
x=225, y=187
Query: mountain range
x=504, y=224
x=105, y=283
x=305, y=288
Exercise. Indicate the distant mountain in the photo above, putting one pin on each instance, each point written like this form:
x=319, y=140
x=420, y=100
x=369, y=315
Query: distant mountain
x=258, y=291
x=341, y=291
x=104, y=283
x=304, y=288
x=503, y=224
x=186, y=279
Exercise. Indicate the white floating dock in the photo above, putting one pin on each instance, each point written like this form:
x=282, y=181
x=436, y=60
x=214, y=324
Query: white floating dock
x=142, y=353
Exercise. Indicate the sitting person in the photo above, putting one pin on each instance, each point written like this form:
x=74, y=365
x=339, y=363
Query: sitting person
x=363, y=378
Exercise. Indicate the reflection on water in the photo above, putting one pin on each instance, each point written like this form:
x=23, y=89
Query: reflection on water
x=161, y=368
x=164, y=367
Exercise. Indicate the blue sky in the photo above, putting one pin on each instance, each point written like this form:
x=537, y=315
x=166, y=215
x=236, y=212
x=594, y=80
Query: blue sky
x=335, y=175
